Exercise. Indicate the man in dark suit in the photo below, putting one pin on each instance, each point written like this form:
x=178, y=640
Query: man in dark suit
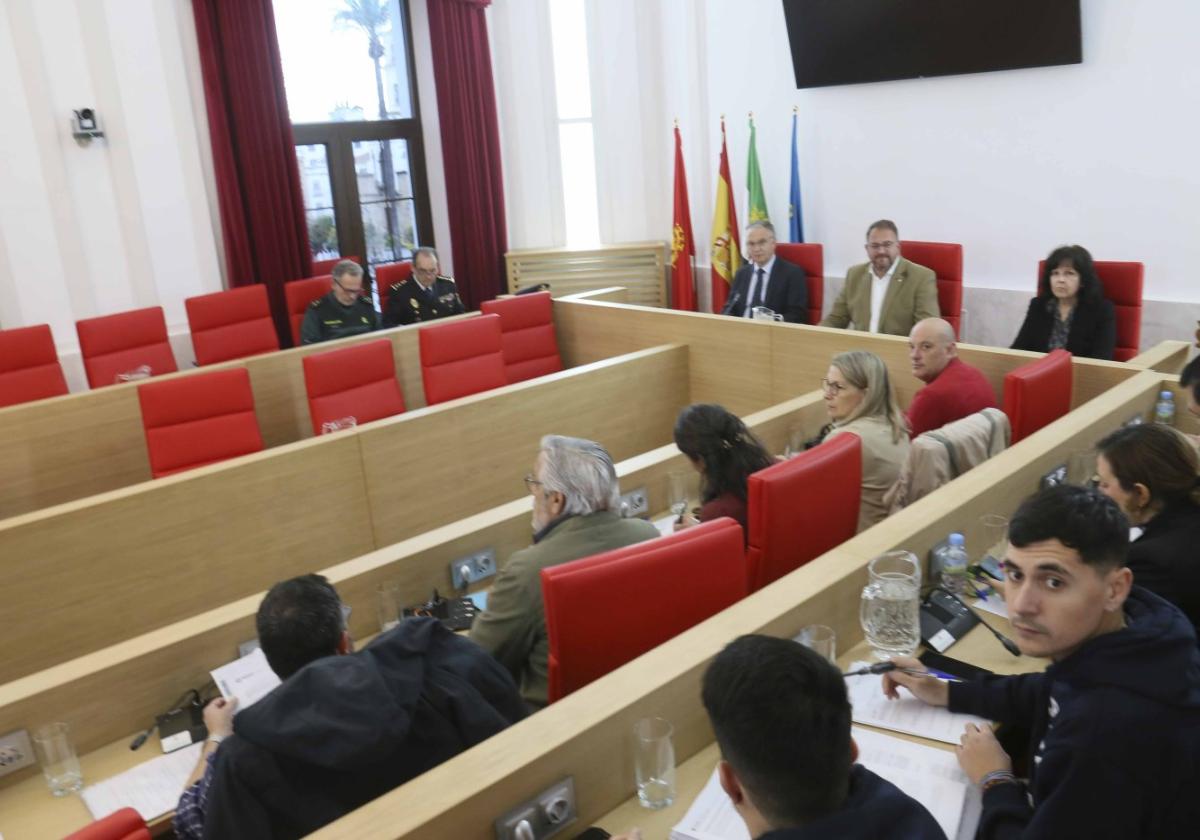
x=767, y=280
x=424, y=296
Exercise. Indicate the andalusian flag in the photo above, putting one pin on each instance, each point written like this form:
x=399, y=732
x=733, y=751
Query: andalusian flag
x=795, y=217
x=757, y=208
x=683, y=244
x=726, y=256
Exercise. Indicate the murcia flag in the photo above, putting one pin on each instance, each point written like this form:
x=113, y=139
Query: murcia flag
x=683, y=244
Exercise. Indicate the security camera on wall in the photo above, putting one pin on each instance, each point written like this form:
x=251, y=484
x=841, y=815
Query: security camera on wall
x=85, y=127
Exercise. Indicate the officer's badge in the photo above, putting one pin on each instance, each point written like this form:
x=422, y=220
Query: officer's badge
x=414, y=303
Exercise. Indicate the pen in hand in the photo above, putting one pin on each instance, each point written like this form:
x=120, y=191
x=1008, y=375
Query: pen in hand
x=885, y=667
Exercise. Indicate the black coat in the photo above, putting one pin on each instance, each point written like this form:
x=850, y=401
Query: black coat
x=787, y=291
x=408, y=303
x=1093, y=332
x=344, y=730
x=1164, y=558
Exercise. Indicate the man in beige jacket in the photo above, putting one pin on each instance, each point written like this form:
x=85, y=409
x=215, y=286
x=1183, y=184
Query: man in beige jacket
x=889, y=294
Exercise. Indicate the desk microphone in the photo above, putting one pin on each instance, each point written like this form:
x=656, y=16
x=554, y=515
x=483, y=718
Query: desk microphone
x=1009, y=644
x=137, y=742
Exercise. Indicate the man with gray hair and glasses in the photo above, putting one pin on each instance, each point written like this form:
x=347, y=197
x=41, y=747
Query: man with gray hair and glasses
x=576, y=513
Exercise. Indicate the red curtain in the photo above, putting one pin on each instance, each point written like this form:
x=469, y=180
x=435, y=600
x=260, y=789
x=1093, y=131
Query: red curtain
x=466, y=96
x=254, y=155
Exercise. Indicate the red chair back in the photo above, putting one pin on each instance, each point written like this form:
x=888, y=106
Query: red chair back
x=945, y=259
x=386, y=275
x=810, y=256
x=461, y=358
x=125, y=824
x=299, y=294
x=602, y=611
x=801, y=508
x=1122, y=282
x=116, y=344
x=326, y=266
x=191, y=421
x=527, y=334
x=231, y=325
x=29, y=367
x=1038, y=393
x=357, y=381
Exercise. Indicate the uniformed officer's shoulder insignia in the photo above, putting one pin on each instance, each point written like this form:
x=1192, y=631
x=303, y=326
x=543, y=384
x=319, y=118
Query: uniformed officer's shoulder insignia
x=395, y=287
x=316, y=302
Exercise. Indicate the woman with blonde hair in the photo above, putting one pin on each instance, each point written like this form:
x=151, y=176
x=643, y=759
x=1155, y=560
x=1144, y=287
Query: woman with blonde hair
x=861, y=401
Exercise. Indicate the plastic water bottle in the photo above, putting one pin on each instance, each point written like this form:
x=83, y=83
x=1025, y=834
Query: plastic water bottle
x=1164, y=409
x=951, y=562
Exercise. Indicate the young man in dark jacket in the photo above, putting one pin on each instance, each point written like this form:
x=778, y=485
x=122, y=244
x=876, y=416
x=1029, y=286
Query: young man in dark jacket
x=1115, y=718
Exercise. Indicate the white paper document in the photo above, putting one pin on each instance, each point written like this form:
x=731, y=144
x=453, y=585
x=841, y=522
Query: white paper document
x=711, y=816
x=994, y=604
x=666, y=524
x=152, y=788
x=907, y=714
x=249, y=679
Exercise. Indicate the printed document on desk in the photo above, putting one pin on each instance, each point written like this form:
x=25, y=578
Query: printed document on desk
x=908, y=714
x=249, y=679
x=927, y=774
x=152, y=788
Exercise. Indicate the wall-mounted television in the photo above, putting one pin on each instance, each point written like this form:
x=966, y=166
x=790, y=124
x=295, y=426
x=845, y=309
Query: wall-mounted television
x=844, y=42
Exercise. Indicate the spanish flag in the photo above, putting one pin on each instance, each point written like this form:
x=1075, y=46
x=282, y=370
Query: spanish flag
x=726, y=256
x=683, y=244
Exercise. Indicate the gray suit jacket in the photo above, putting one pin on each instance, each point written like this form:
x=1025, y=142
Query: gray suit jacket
x=910, y=297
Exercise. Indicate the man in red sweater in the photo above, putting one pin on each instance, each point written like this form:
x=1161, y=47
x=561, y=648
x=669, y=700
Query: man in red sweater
x=953, y=389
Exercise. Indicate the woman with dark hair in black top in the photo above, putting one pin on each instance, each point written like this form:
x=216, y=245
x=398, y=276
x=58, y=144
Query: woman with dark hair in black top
x=1151, y=471
x=1070, y=310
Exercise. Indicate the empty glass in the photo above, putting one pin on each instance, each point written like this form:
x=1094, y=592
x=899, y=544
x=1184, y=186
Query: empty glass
x=890, y=608
x=994, y=533
x=56, y=755
x=821, y=639
x=654, y=762
x=677, y=495
x=390, y=606
x=338, y=425
x=763, y=313
x=795, y=441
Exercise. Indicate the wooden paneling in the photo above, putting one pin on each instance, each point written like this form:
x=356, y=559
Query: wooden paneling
x=638, y=266
x=1167, y=357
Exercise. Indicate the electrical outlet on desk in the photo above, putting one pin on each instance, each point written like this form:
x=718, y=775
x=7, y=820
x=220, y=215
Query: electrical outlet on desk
x=16, y=751
x=635, y=503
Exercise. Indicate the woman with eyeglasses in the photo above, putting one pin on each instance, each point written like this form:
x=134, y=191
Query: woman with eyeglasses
x=861, y=401
x=725, y=453
x=1070, y=310
x=1152, y=472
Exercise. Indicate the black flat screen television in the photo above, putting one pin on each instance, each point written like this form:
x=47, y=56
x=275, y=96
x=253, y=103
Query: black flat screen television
x=844, y=42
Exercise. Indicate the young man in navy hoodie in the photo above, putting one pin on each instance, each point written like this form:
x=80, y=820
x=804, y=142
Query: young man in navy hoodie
x=1115, y=719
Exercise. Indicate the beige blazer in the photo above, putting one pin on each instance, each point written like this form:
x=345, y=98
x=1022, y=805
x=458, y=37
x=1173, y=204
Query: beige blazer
x=882, y=457
x=911, y=296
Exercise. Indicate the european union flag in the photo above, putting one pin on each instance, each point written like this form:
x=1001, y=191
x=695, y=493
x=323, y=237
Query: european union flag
x=795, y=217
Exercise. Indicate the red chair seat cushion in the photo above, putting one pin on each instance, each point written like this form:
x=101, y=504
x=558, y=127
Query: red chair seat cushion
x=1038, y=393
x=527, y=331
x=357, y=381
x=462, y=358
x=121, y=343
x=810, y=256
x=29, y=367
x=944, y=259
x=231, y=325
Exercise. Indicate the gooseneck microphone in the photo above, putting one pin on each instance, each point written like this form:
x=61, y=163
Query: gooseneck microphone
x=1009, y=644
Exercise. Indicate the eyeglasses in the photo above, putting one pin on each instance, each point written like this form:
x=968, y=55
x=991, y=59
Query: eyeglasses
x=357, y=291
x=531, y=482
x=881, y=246
x=831, y=387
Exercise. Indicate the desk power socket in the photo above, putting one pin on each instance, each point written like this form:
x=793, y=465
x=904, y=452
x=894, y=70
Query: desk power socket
x=16, y=752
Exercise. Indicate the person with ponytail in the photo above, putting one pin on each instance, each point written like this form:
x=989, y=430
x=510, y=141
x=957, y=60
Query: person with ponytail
x=1151, y=471
x=724, y=452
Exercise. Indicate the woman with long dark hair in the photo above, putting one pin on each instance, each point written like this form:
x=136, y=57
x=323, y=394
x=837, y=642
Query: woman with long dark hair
x=1070, y=310
x=725, y=453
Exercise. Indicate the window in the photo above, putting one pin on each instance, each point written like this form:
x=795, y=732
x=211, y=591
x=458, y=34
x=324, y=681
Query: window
x=572, y=82
x=347, y=67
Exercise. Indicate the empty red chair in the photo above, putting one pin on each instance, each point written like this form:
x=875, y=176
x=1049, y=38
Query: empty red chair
x=231, y=325
x=1122, y=283
x=125, y=824
x=115, y=344
x=357, y=381
x=386, y=275
x=191, y=421
x=1038, y=393
x=299, y=294
x=810, y=256
x=326, y=266
x=802, y=507
x=461, y=358
x=527, y=333
x=945, y=259
x=29, y=368
x=602, y=611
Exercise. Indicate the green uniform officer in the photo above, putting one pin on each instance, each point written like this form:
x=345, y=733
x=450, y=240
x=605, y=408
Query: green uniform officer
x=341, y=313
x=424, y=296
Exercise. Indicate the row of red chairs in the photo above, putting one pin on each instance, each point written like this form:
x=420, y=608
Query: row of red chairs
x=209, y=417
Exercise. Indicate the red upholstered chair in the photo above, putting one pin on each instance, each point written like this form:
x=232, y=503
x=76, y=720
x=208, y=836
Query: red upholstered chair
x=116, y=344
x=802, y=507
x=1037, y=393
x=945, y=259
x=527, y=333
x=810, y=256
x=461, y=358
x=191, y=421
x=29, y=368
x=326, y=266
x=1123, y=286
x=357, y=381
x=299, y=294
x=125, y=824
x=602, y=611
x=386, y=275
x=231, y=325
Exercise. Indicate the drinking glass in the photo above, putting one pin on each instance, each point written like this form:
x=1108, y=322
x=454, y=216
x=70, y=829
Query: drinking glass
x=821, y=639
x=994, y=530
x=677, y=495
x=331, y=426
x=1081, y=467
x=56, y=754
x=654, y=762
x=389, y=605
x=795, y=441
x=890, y=608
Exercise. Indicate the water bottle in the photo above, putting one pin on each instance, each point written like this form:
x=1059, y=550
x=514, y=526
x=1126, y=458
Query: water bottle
x=950, y=563
x=1164, y=409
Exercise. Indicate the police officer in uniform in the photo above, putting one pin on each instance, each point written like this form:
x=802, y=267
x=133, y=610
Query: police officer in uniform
x=424, y=296
x=343, y=311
